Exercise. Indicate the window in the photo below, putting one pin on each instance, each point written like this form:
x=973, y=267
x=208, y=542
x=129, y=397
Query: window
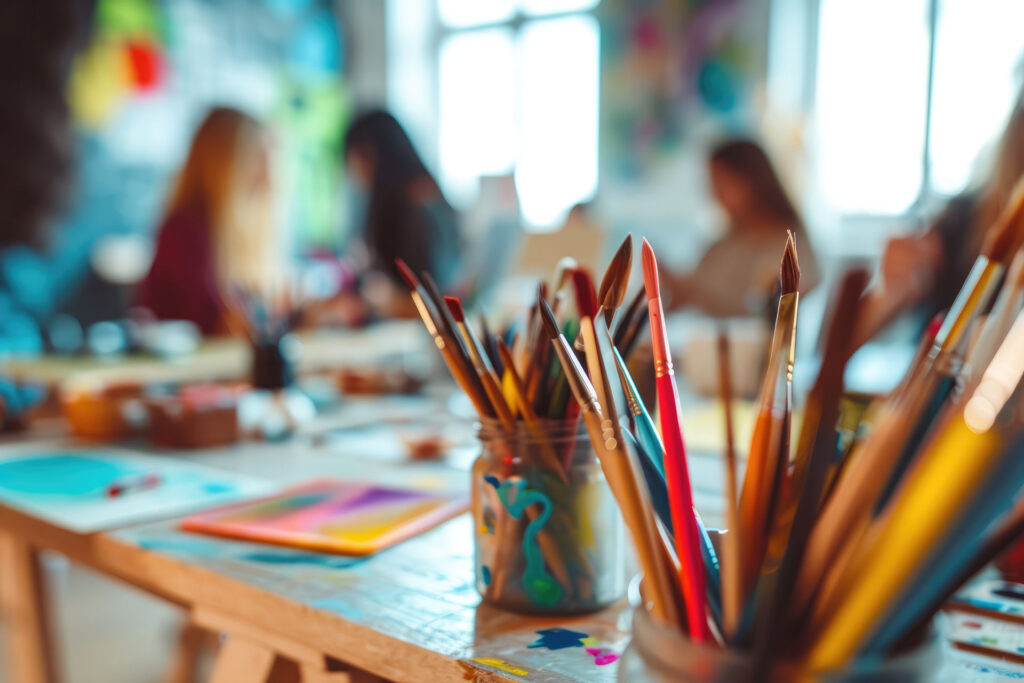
x=908, y=94
x=517, y=92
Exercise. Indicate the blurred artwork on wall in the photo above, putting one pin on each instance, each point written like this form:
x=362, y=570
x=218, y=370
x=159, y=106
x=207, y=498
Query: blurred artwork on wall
x=666, y=66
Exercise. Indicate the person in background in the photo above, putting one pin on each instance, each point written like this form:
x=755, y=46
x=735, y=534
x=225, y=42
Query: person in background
x=218, y=228
x=738, y=274
x=924, y=271
x=399, y=211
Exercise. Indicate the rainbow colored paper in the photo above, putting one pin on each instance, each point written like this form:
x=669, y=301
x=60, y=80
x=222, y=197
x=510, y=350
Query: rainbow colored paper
x=333, y=516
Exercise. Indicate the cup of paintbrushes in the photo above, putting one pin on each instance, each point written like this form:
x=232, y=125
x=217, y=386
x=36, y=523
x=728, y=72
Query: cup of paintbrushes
x=548, y=536
x=660, y=653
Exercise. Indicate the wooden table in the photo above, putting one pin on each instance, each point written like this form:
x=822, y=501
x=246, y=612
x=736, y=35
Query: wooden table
x=410, y=613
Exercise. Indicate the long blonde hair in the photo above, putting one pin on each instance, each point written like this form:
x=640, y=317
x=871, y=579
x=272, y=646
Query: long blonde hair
x=226, y=149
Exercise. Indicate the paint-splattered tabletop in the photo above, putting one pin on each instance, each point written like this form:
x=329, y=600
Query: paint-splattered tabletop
x=420, y=592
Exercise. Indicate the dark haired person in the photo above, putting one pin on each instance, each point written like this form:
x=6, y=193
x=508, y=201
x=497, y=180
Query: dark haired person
x=738, y=274
x=400, y=211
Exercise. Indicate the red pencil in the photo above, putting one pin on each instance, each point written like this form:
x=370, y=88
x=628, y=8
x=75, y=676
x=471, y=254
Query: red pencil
x=677, y=474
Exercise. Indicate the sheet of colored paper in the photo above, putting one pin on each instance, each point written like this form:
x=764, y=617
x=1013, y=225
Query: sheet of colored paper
x=333, y=516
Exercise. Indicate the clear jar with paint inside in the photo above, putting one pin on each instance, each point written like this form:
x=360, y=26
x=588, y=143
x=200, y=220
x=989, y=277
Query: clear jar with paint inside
x=658, y=653
x=548, y=535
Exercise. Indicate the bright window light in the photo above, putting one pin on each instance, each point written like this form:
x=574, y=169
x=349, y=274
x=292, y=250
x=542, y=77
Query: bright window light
x=558, y=156
x=477, y=128
x=463, y=13
x=871, y=103
x=978, y=47
x=542, y=7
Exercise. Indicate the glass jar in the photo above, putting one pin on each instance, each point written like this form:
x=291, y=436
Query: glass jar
x=548, y=535
x=660, y=654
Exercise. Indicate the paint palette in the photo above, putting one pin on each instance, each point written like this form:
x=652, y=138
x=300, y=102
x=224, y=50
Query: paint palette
x=88, y=490
x=333, y=516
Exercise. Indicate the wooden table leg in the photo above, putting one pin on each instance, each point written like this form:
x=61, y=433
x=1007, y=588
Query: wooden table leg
x=242, y=661
x=23, y=610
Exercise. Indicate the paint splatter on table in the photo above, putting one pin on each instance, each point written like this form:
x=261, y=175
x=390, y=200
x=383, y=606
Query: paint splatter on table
x=420, y=592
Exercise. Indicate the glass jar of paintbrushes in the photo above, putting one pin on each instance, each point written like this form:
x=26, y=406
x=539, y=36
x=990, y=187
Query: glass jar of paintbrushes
x=548, y=536
x=659, y=654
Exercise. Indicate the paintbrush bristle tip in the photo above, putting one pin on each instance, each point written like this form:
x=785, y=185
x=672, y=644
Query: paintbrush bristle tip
x=547, y=318
x=650, y=267
x=789, y=271
x=406, y=273
x=586, y=297
x=455, y=307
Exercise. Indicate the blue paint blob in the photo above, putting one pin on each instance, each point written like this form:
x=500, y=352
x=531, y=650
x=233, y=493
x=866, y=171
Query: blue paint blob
x=485, y=572
x=195, y=547
x=558, y=639
x=61, y=474
x=330, y=561
x=492, y=480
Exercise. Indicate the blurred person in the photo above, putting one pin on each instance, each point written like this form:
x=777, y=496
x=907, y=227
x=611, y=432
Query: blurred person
x=399, y=210
x=218, y=228
x=924, y=271
x=739, y=273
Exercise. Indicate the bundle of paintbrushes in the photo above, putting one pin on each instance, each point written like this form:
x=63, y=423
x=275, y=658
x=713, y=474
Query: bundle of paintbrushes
x=838, y=554
x=548, y=534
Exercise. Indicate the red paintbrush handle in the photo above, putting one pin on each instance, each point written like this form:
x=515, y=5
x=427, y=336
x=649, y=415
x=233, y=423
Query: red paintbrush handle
x=677, y=477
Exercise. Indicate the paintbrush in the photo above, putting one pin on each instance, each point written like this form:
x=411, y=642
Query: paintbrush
x=957, y=460
x=999, y=320
x=621, y=478
x=1008, y=531
x=808, y=484
x=630, y=320
x=676, y=469
x=621, y=470
x=490, y=343
x=530, y=418
x=768, y=457
x=856, y=494
x=482, y=365
x=613, y=285
x=962, y=542
x=459, y=365
x=732, y=541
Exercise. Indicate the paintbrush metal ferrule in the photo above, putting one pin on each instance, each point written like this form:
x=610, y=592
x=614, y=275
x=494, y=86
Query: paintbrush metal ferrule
x=972, y=298
x=580, y=386
x=428, y=319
